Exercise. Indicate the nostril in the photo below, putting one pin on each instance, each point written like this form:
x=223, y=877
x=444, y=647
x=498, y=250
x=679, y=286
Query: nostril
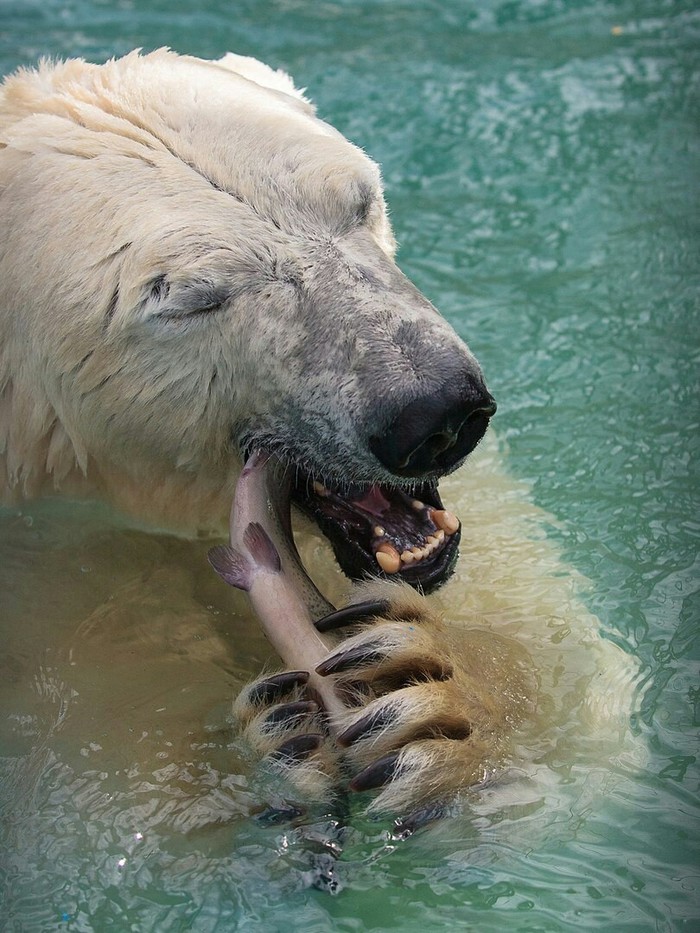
x=473, y=426
x=434, y=433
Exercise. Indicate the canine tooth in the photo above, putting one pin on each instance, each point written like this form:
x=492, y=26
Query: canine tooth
x=320, y=489
x=388, y=558
x=447, y=521
x=407, y=557
x=379, y=532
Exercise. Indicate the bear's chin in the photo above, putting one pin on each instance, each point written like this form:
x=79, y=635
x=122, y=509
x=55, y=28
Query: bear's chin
x=382, y=531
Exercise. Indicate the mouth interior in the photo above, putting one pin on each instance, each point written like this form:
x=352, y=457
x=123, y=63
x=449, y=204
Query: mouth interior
x=379, y=530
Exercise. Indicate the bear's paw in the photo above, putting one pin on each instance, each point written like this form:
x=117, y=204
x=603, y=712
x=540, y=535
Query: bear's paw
x=428, y=710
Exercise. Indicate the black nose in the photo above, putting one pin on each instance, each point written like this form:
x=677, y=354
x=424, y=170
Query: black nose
x=434, y=432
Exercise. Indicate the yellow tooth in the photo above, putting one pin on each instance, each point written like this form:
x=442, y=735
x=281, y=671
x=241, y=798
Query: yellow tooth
x=320, y=490
x=440, y=534
x=447, y=521
x=388, y=558
x=418, y=505
x=417, y=552
x=379, y=532
x=407, y=557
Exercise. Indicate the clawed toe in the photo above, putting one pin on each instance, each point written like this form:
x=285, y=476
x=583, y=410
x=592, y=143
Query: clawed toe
x=425, y=723
x=390, y=655
x=270, y=689
x=288, y=714
x=286, y=727
x=417, y=819
x=377, y=774
x=298, y=748
x=426, y=710
x=366, y=611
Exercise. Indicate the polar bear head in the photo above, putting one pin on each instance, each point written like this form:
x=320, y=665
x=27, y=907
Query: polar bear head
x=193, y=264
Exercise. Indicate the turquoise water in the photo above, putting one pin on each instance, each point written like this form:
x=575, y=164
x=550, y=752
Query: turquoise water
x=541, y=161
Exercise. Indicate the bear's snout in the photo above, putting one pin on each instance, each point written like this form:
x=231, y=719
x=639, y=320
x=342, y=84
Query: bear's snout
x=434, y=432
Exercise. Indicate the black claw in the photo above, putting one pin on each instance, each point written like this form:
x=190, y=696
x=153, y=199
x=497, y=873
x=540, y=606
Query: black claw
x=357, y=612
x=299, y=747
x=357, y=656
x=377, y=774
x=290, y=711
x=403, y=828
x=368, y=724
x=270, y=689
x=283, y=813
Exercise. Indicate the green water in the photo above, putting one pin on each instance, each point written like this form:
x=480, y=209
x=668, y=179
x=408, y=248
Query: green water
x=541, y=161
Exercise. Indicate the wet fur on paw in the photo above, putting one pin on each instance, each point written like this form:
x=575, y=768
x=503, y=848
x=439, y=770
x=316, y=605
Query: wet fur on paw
x=431, y=709
x=283, y=724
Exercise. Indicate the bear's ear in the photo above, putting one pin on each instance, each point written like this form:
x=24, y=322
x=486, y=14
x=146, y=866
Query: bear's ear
x=262, y=74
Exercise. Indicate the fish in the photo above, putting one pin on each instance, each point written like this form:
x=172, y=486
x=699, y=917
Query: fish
x=262, y=560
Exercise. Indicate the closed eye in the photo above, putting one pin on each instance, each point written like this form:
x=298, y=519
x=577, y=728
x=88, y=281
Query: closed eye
x=176, y=301
x=182, y=312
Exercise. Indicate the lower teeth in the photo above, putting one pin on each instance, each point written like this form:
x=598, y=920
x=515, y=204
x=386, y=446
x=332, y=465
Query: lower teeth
x=390, y=560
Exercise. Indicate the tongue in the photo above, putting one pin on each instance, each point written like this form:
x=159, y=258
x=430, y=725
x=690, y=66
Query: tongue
x=374, y=502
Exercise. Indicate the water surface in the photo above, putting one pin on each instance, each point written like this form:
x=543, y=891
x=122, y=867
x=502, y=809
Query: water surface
x=541, y=163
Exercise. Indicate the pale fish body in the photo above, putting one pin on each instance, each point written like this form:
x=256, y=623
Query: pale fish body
x=263, y=561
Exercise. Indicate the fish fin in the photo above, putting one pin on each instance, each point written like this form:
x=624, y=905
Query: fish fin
x=231, y=566
x=261, y=548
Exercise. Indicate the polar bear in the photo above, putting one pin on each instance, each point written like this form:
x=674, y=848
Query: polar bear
x=193, y=265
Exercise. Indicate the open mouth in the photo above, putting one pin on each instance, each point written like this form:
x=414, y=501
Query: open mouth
x=384, y=531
